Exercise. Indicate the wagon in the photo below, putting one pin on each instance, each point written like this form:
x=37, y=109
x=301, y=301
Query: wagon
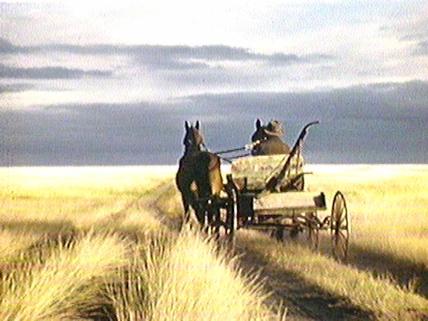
x=268, y=193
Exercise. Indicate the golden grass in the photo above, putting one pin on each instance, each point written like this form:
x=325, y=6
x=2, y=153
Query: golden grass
x=388, y=253
x=63, y=281
x=69, y=235
x=65, y=199
x=388, y=204
x=378, y=295
x=186, y=280
x=64, y=284
x=12, y=243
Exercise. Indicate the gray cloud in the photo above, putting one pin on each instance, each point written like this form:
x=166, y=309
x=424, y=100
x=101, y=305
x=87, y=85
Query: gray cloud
x=379, y=123
x=416, y=34
x=421, y=48
x=170, y=57
x=15, y=88
x=49, y=73
x=6, y=47
x=416, y=31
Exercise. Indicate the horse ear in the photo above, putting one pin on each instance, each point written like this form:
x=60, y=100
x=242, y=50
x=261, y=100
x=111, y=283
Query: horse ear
x=197, y=125
x=186, y=125
x=258, y=123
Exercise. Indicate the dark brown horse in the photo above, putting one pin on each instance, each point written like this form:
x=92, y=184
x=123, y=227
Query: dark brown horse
x=270, y=139
x=198, y=174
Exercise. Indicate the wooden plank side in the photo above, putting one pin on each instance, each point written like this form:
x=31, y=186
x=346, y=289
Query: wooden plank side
x=285, y=202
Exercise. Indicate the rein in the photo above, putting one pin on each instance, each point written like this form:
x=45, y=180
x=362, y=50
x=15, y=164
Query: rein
x=229, y=159
x=228, y=151
x=245, y=147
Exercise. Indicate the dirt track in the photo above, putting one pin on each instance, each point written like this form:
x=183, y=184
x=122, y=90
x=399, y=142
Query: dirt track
x=302, y=301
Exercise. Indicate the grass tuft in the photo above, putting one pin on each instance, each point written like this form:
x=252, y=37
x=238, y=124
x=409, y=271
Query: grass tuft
x=186, y=280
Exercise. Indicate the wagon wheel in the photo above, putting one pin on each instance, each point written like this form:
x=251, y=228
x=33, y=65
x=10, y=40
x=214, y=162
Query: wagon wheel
x=313, y=230
x=339, y=227
x=277, y=233
x=231, y=209
x=206, y=215
x=215, y=218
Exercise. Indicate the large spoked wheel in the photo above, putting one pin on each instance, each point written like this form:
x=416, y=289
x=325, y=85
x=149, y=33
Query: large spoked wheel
x=216, y=220
x=339, y=227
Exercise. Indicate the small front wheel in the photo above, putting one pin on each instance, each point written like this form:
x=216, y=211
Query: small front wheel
x=231, y=209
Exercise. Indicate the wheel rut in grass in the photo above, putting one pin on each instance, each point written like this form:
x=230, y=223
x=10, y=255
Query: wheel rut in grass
x=304, y=301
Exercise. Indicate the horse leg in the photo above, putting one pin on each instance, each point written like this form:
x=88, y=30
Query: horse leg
x=217, y=222
x=186, y=207
x=200, y=215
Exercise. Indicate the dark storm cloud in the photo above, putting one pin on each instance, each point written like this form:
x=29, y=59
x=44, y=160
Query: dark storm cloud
x=379, y=123
x=11, y=88
x=49, y=73
x=169, y=57
x=382, y=102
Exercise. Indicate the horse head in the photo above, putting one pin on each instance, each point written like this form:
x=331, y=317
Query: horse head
x=193, y=139
x=259, y=134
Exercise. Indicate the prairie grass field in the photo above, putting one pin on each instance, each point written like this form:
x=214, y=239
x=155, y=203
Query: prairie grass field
x=96, y=243
x=84, y=244
x=388, y=205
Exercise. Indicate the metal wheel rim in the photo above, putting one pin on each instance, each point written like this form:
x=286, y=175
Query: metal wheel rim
x=339, y=227
x=231, y=212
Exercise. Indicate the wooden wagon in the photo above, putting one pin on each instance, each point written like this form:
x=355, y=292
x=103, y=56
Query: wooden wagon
x=268, y=193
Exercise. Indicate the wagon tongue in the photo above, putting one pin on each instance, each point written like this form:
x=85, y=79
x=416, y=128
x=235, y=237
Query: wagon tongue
x=275, y=181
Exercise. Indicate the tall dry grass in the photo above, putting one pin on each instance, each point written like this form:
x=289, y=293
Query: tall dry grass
x=187, y=279
x=12, y=243
x=62, y=282
x=380, y=296
x=54, y=199
x=388, y=203
x=82, y=240
x=389, y=208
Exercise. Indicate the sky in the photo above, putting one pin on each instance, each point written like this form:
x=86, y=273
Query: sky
x=112, y=82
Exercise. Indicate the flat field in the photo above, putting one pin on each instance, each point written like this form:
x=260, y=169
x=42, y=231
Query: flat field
x=101, y=243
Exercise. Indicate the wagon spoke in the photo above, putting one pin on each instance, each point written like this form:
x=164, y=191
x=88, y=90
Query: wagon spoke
x=339, y=227
x=342, y=218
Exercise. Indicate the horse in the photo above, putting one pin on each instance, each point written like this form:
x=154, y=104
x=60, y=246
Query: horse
x=199, y=174
x=270, y=140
